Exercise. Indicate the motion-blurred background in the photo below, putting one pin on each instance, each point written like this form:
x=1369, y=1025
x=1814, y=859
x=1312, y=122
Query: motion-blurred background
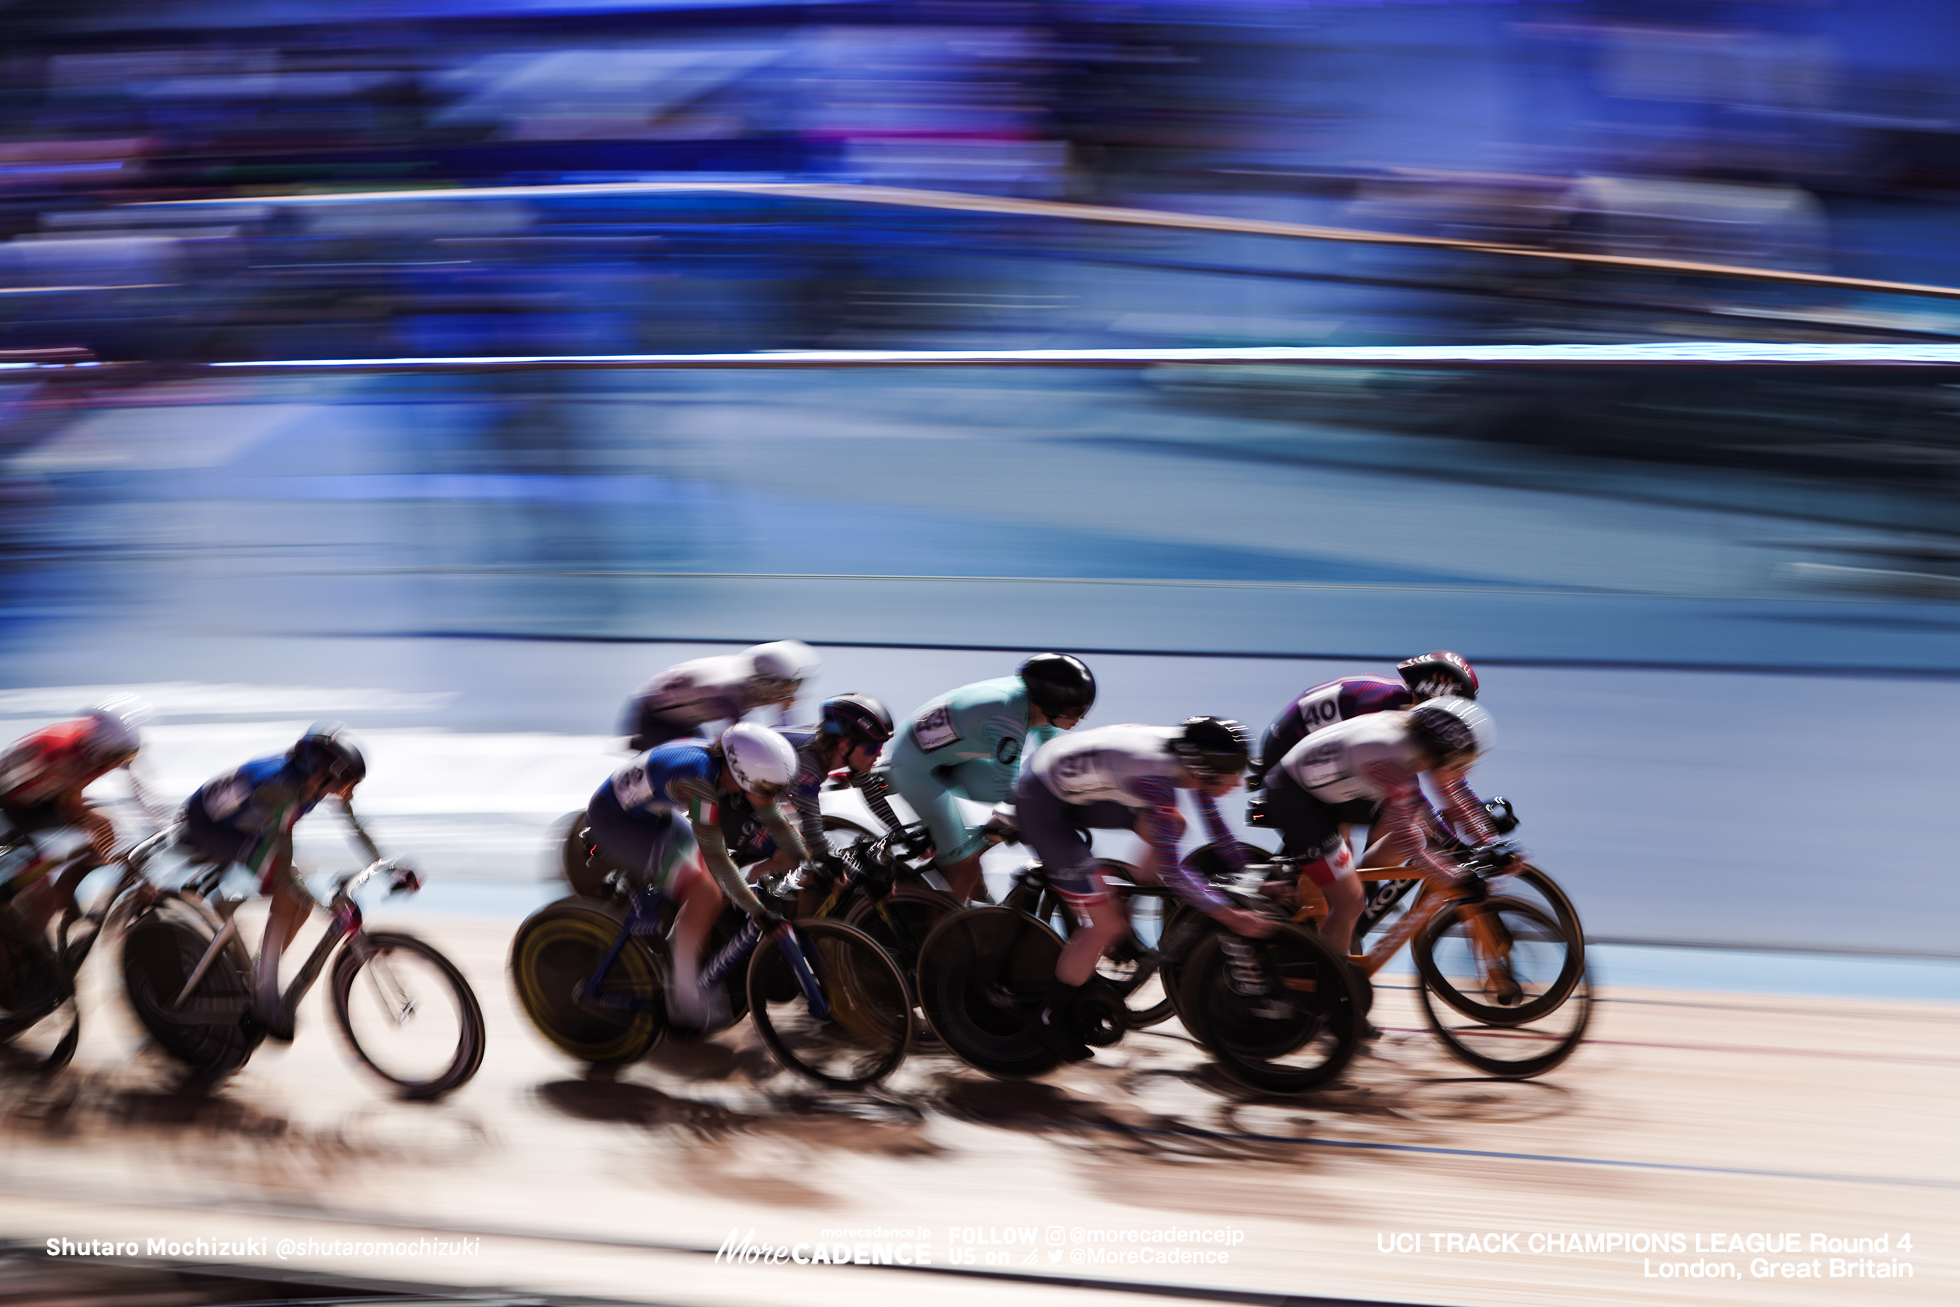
x=1715, y=604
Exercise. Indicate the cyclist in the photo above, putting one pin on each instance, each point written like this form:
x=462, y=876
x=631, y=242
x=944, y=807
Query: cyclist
x=1125, y=778
x=247, y=816
x=636, y=823
x=969, y=743
x=1428, y=676
x=853, y=728
x=42, y=777
x=1363, y=771
x=724, y=688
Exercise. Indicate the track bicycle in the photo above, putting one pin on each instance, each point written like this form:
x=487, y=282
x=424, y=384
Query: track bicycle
x=40, y=1017
x=985, y=971
x=828, y=1002
x=1503, y=979
x=403, y=1008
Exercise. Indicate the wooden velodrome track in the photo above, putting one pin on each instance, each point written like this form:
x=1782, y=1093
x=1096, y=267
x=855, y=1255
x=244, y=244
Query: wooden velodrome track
x=1697, y=1115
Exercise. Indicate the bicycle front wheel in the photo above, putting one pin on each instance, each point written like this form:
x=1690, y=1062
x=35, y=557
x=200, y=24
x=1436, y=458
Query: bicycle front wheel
x=408, y=1014
x=1536, y=965
x=857, y=1030
x=1280, y=1016
x=1471, y=1020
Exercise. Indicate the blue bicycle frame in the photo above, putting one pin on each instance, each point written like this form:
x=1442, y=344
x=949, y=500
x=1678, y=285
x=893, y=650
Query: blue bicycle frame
x=643, y=918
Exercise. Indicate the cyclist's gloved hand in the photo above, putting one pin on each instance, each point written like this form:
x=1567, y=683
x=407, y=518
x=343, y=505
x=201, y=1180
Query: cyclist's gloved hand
x=406, y=877
x=769, y=920
x=1497, y=857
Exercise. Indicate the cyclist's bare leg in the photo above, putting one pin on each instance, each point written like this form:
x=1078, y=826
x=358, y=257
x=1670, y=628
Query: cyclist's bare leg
x=1103, y=927
x=289, y=911
x=963, y=877
x=701, y=903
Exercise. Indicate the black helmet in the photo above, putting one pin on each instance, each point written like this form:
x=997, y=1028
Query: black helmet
x=1058, y=682
x=1451, y=730
x=328, y=753
x=857, y=717
x=1439, y=675
x=1210, y=747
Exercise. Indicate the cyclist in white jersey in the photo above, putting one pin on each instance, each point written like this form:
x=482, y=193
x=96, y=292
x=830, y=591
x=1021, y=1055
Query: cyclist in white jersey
x=1363, y=772
x=1125, y=778
x=688, y=696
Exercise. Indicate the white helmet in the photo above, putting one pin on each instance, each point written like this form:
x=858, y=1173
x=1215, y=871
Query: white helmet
x=780, y=666
x=115, y=727
x=762, y=762
x=1453, y=730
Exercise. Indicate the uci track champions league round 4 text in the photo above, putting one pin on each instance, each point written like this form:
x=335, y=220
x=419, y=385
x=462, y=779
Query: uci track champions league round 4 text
x=1684, y=1255
x=999, y=1246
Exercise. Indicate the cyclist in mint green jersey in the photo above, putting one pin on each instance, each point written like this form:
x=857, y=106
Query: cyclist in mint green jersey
x=968, y=744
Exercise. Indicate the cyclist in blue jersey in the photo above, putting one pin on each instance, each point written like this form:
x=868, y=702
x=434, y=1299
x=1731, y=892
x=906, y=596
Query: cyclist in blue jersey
x=247, y=816
x=968, y=744
x=1125, y=778
x=660, y=818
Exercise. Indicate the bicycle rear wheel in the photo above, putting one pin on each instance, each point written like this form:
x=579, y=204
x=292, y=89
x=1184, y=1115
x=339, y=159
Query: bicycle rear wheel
x=556, y=951
x=1507, y=1046
x=982, y=976
x=211, y=1032
x=408, y=1014
x=863, y=1036
x=39, y=1019
x=1283, y=1018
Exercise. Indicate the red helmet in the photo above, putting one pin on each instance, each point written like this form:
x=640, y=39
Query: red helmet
x=1439, y=675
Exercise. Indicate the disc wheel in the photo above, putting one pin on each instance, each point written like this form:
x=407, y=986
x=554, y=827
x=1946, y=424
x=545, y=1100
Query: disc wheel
x=983, y=974
x=408, y=1014
x=211, y=1033
x=557, y=949
x=1282, y=1017
x=1510, y=1047
x=859, y=1033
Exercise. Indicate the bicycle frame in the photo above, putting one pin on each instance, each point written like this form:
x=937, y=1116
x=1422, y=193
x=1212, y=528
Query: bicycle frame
x=643, y=918
x=1436, y=896
x=344, y=925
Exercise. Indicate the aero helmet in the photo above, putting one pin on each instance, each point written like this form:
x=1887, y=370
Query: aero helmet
x=780, y=666
x=857, y=717
x=1210, y=747
x=1439, y=675
x=326, y=752
x=1452, y=730
x=761, y=761
x=114, y=731
x=1058, y=683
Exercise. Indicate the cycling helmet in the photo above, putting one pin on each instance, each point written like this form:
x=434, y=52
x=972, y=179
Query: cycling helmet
x=114, y=732
x=761, y=761
x=1439, y=675
x=1452, y=730
x=1057, y=683
x=1210, y=747
x=780, y=666
x=857, y=717
x=327, y=752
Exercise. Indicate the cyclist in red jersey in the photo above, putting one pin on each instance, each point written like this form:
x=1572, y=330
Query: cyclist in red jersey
x=42, y=777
